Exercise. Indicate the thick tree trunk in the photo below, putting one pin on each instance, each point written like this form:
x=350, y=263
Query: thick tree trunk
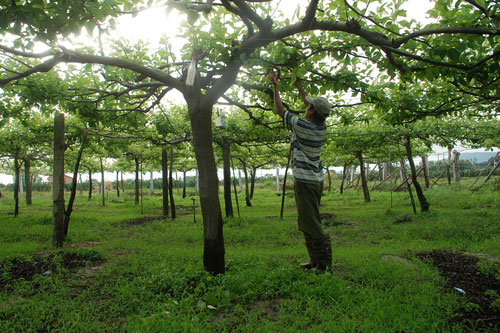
x=69, y=210
x=201, y=122
x=228, y=204
x=362, y=173
x=424, y=204
x=171, y=182
x=425, y=168
x=16, y=186
x=58, y=181
x=136, y=160
x=27, y=180
x=456, y=168
x=103, y=187
x=164, y=182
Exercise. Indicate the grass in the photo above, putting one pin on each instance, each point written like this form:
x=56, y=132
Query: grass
x=149, y=277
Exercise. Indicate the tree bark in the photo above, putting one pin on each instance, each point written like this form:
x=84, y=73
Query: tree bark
x=90, y=184
x=69, y=210
x=424, y=204
x=183, y=184
x=456, y=168
x=247, y=190
x=405, y=181
x=228, y=204
x=253, y=174
x=16, y=185
x=200, y=115
x=136, y=160
x=362, y=173
x=425, y=168
x=448, y=166
x=27, y=180
x=117, y=184
x=102, y=184
x=329, y=180
x=164, y=181
x=344, y=174
x=58, y=181
x=171, y=182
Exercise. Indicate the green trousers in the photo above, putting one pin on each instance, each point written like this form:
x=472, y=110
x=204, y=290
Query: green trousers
x=307, y=199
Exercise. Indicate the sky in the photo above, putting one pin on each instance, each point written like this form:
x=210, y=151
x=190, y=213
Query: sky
x=151, y=24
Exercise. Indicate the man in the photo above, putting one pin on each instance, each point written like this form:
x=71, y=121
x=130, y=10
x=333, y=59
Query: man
x=307, y=141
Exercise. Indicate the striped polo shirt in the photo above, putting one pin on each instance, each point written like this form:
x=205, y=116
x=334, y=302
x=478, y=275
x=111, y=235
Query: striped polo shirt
x=307, y=141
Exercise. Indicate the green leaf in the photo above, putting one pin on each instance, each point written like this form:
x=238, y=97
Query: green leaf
x=192, y=17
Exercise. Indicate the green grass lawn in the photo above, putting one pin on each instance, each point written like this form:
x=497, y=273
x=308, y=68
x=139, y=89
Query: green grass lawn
x=149, y=277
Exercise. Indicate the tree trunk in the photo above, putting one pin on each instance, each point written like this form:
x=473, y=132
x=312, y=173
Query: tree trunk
x=121, y=180
x=102, y=184
x=164, y=181
x=136, y=160
x=253, y=174
x=117, y=183
x=27, y=180
x=183, y=184
x=151, y=185
x=425, y=168
x=171, y=182
x=16, y=185
x=284, y=183
x=448, y=166
x=404, y=180
x=69, y=210
x=344, y=174
x=200, y=115
x=456, y=168
x=228, y=204
x=424, y=204
x=362, y=173
x=90, y=184
x=58, y=181
x=247, y=190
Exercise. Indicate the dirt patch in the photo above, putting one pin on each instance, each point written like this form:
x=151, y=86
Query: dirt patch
x=481, y=308
x=83, y=244
x=142, y=220
x=27, y=268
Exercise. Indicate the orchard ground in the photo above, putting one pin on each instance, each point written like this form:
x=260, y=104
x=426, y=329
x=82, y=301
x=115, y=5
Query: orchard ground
x=123, y=271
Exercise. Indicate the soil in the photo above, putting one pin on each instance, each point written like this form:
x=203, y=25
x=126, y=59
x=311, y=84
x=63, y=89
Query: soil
x=143, y=220
x=480, y=310
x=27, y=268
